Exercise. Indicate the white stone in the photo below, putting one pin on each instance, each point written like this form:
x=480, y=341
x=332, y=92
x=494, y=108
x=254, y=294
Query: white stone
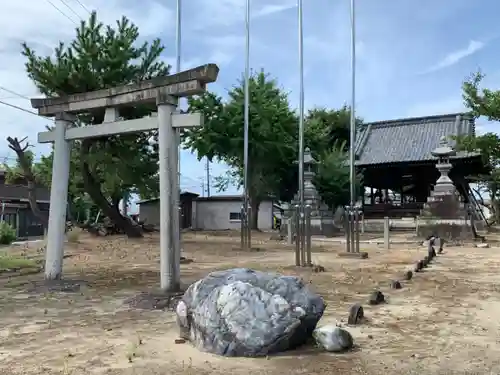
x=483, y=245
x=333, y=338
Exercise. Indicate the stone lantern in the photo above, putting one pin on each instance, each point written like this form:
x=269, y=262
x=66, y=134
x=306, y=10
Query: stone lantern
x=444, y=184
x=444, y=215
x=321, y=215
x=311, y=195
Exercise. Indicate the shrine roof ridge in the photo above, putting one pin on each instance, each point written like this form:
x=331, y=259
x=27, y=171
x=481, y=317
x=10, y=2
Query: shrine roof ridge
x=420, y=119
x=203, y=74
x=410, y=139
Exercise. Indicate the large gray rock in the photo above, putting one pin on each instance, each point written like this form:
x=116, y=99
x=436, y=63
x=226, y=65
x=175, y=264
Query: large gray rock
x=241, y=312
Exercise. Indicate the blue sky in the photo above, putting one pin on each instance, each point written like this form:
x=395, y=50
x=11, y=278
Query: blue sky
x=412, y=55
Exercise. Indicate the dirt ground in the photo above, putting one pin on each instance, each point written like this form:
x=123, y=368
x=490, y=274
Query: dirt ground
x=444, y=321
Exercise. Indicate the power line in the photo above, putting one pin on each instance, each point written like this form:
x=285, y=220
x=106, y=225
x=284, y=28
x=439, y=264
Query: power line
x=70, y=8
x=14, y=93
x=20, y=109
x=17, y=107
x=60, y=11
x=83, y=6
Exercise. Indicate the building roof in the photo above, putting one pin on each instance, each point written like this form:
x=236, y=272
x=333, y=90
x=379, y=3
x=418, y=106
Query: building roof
x=224, y=198
x=213, y=198
x=410, y=139
x=183, y=194
x=21, y=192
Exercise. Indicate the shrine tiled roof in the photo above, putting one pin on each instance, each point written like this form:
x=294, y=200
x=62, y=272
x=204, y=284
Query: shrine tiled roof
x=411, y=139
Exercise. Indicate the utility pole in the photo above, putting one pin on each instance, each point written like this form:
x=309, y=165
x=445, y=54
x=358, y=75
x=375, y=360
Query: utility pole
x=207, y=167
x=202, y=188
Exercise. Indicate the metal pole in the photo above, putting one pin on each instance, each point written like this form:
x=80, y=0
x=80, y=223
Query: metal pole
x=246, y=237
x=301, y=128
x=352, y=172
x=297, y=235
x=347, y=226
x=353, y=229
x=178, y=38
x=177, y=192
x=307, y=235
x=249, y=227
x=352, y=140
x=243, y=225
x=208, y=177
x=356, y=219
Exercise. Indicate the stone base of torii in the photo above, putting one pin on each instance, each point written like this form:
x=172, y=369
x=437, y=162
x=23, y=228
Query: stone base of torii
x=162, y=92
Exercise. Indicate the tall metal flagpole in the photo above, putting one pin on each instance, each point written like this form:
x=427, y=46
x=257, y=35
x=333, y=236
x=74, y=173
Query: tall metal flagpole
x=301, y=229
x=352, y=143
x=178, y=39
x=177, y=209
x=246, y=232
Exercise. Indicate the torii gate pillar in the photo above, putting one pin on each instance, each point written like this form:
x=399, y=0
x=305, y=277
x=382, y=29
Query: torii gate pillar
x=162, y=92
x=167, y=142
x=58, y=197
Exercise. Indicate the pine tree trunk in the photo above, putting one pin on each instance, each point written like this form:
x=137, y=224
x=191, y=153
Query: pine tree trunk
x=94, y=191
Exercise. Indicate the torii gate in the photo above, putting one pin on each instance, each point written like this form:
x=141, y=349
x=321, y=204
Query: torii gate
x=162, y=91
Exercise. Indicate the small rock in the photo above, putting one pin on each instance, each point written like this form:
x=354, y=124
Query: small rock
x=316, y=268
x=419, y=266
x=356, y=314
x=370, y=337
x=333, y=338
x=408, y=275
x=180, y=341
x=376, y=298
x=184, y=260
x=439, y=243
x=431, y=253
x=483, y=245
x=277, y=237
x=395, y=284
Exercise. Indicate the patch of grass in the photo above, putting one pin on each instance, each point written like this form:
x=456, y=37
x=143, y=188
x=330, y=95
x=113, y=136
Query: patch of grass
x=9, y=262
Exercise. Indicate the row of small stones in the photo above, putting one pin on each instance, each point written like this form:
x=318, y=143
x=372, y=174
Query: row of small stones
x=356, y=312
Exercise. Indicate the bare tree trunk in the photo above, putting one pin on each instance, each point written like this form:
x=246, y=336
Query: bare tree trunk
x=94, y=191
x=255, y=205
x=15, y=145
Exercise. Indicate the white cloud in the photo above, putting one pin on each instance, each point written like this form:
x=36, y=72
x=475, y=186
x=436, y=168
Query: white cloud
x=223, y=49
x=391, y=46
x=456, y=56
x=453, y=104
x=269, y=9
x=42, y=27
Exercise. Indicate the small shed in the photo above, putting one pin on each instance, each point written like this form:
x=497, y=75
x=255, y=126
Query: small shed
x=149, y=210
x=219, y=212
x=222, y=212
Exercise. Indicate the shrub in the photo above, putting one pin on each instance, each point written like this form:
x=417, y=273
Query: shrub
x=7, y=233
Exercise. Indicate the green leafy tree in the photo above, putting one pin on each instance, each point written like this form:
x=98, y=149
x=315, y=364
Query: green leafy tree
x=484, y=102
x=272, y=137
x=325, y=128
x=327, y=133
x=332, y=179
x=102, y=57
